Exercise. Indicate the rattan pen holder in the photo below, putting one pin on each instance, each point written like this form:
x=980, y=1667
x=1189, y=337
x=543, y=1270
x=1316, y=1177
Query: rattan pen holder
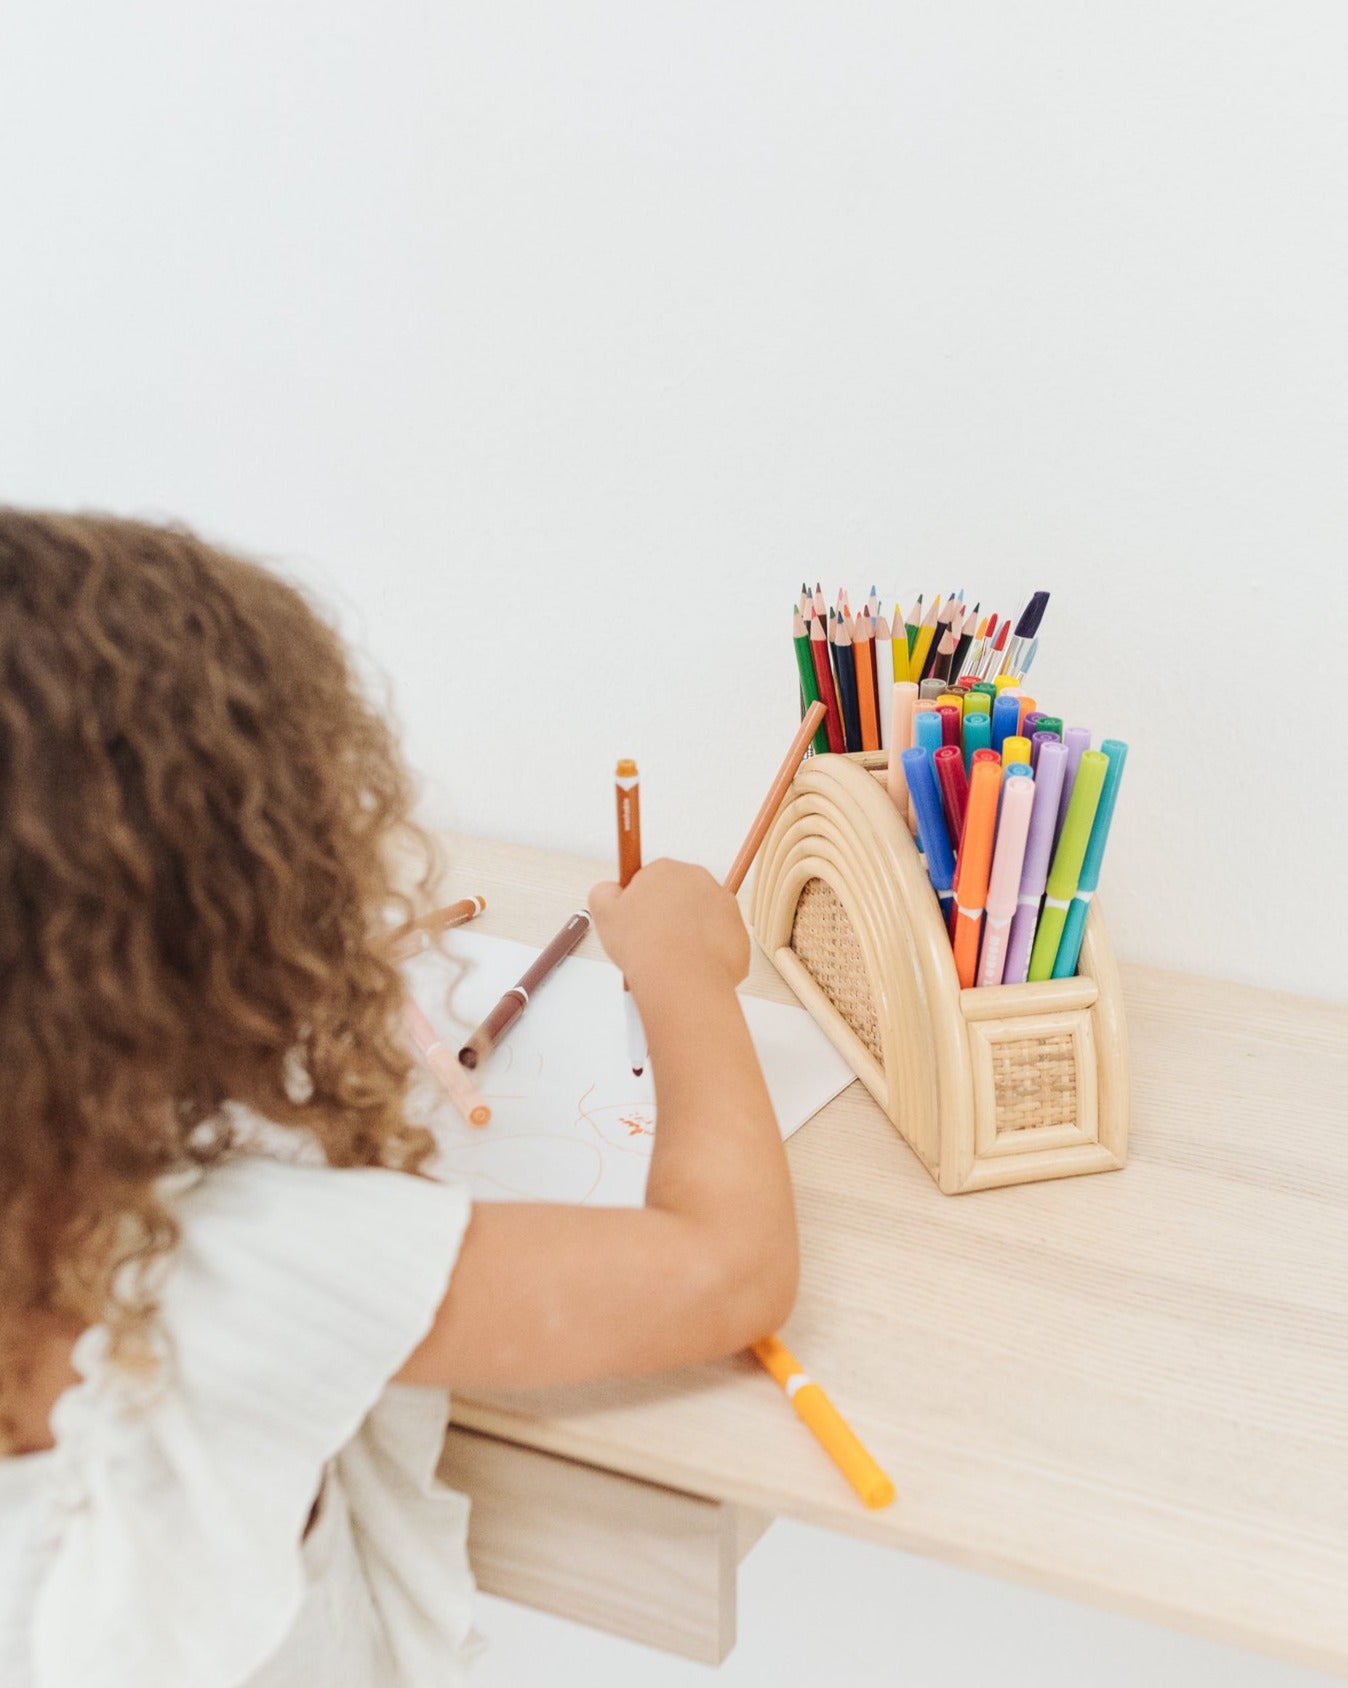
x=1006, y=1084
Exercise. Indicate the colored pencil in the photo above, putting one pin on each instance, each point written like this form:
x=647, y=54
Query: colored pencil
x=773, y=801
x=968, y=627
x=884, y=680
x=809, y=680
x=827, y=685
x=844, y=659
x=910, y=628
x=926, y=633
x=944, y=616
x=863, y=653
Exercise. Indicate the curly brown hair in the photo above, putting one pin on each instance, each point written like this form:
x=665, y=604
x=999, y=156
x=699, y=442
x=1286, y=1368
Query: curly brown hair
x=198, y=808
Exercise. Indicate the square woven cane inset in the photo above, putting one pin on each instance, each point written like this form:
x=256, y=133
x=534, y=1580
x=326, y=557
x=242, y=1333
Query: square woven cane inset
x=1035, y=1082
x=825, y=940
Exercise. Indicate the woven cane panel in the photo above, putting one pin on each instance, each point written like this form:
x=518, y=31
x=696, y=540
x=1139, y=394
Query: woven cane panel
x=826, y=942
x=1035, y=1081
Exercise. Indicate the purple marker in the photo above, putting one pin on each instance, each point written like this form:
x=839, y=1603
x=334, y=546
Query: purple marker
x=1077, y=740
x=1037, y=742
x=1048, y=783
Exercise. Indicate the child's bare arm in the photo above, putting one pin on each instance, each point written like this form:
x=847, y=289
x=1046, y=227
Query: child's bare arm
x=545, y=1294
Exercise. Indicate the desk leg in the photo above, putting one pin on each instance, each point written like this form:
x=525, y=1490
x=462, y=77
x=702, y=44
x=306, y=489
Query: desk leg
x=641, y=1561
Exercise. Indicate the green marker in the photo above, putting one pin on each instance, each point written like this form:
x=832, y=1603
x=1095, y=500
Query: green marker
x=1065, y=873
x=1049, y=724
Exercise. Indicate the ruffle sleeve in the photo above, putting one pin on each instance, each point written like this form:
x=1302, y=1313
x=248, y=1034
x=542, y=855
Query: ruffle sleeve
x=181, y=1495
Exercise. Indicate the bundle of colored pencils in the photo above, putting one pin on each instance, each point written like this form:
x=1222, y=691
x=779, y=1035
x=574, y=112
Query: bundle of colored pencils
x=851, y=663
x=1012, y=812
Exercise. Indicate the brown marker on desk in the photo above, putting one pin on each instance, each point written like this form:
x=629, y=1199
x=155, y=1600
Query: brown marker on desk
x=480, y=1045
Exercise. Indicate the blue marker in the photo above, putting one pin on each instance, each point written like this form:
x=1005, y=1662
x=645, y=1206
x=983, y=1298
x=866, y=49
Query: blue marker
x=927, y=731
x=1005, y=719
x=931, y=827
x=1069, y=945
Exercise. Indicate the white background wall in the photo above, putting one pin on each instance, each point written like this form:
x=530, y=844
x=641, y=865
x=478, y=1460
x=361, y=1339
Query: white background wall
x=555, y=344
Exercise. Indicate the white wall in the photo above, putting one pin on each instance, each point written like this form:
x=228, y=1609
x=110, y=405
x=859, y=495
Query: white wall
x=528, y=330
x=524, y=329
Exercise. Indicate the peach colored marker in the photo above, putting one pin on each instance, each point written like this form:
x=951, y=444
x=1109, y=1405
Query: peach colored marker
x=440, y=1059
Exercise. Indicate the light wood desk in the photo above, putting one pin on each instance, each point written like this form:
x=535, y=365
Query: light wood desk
x=1130, y=1388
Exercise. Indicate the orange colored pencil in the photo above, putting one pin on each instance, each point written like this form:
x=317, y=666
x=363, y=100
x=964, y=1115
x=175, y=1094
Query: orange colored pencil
x=864, y=647
x=773, y=801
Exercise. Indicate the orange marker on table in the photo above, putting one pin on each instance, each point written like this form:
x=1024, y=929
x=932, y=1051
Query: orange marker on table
x=829, y=1427
x=627, y=786
x=973, y=867
x=442, y=1062
x=418, y=934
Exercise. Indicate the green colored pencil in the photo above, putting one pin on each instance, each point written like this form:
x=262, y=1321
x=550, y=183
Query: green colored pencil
x=809, y=686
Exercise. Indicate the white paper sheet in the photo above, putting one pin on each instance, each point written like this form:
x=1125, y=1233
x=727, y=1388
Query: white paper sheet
x=569, y=1121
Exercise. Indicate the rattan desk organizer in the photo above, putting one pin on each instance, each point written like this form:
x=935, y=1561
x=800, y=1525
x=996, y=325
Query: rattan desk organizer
x=1008, y=1084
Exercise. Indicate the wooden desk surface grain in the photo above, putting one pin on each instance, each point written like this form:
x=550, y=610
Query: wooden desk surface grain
x=1130, y=1388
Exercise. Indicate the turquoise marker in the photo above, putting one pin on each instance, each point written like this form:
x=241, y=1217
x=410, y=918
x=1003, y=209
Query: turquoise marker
x=1069, y=945
x=977, y=736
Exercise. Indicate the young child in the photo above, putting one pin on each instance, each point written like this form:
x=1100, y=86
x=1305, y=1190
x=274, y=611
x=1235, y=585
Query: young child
x=231, y=1298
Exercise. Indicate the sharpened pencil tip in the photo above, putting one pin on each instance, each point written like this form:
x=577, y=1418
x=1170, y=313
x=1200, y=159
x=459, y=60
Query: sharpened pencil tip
x=637, y=1071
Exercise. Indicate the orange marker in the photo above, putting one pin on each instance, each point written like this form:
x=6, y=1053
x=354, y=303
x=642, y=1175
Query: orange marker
x=1027, y=704
x=462, y=1091
x=627, y=790
x=973, y=865
x=864, y=649
x=416, y=936
x=830, y=1428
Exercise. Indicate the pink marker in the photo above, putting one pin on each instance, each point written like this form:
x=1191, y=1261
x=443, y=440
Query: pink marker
x=1013, y=828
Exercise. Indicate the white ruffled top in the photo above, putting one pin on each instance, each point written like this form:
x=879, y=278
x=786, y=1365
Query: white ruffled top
x=162, y=1544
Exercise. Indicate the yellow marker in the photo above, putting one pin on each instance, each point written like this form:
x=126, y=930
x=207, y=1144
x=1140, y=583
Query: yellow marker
x=955, y=698
x=976, y=703
x=1015, y=750
x=1002, y=681
x=829, y=1427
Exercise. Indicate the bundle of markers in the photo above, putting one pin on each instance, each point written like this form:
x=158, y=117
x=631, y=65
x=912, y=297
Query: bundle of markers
x=1012, y=811
x=850, y=663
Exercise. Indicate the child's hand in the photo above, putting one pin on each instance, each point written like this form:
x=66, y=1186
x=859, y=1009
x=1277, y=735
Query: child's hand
x=672, y=916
